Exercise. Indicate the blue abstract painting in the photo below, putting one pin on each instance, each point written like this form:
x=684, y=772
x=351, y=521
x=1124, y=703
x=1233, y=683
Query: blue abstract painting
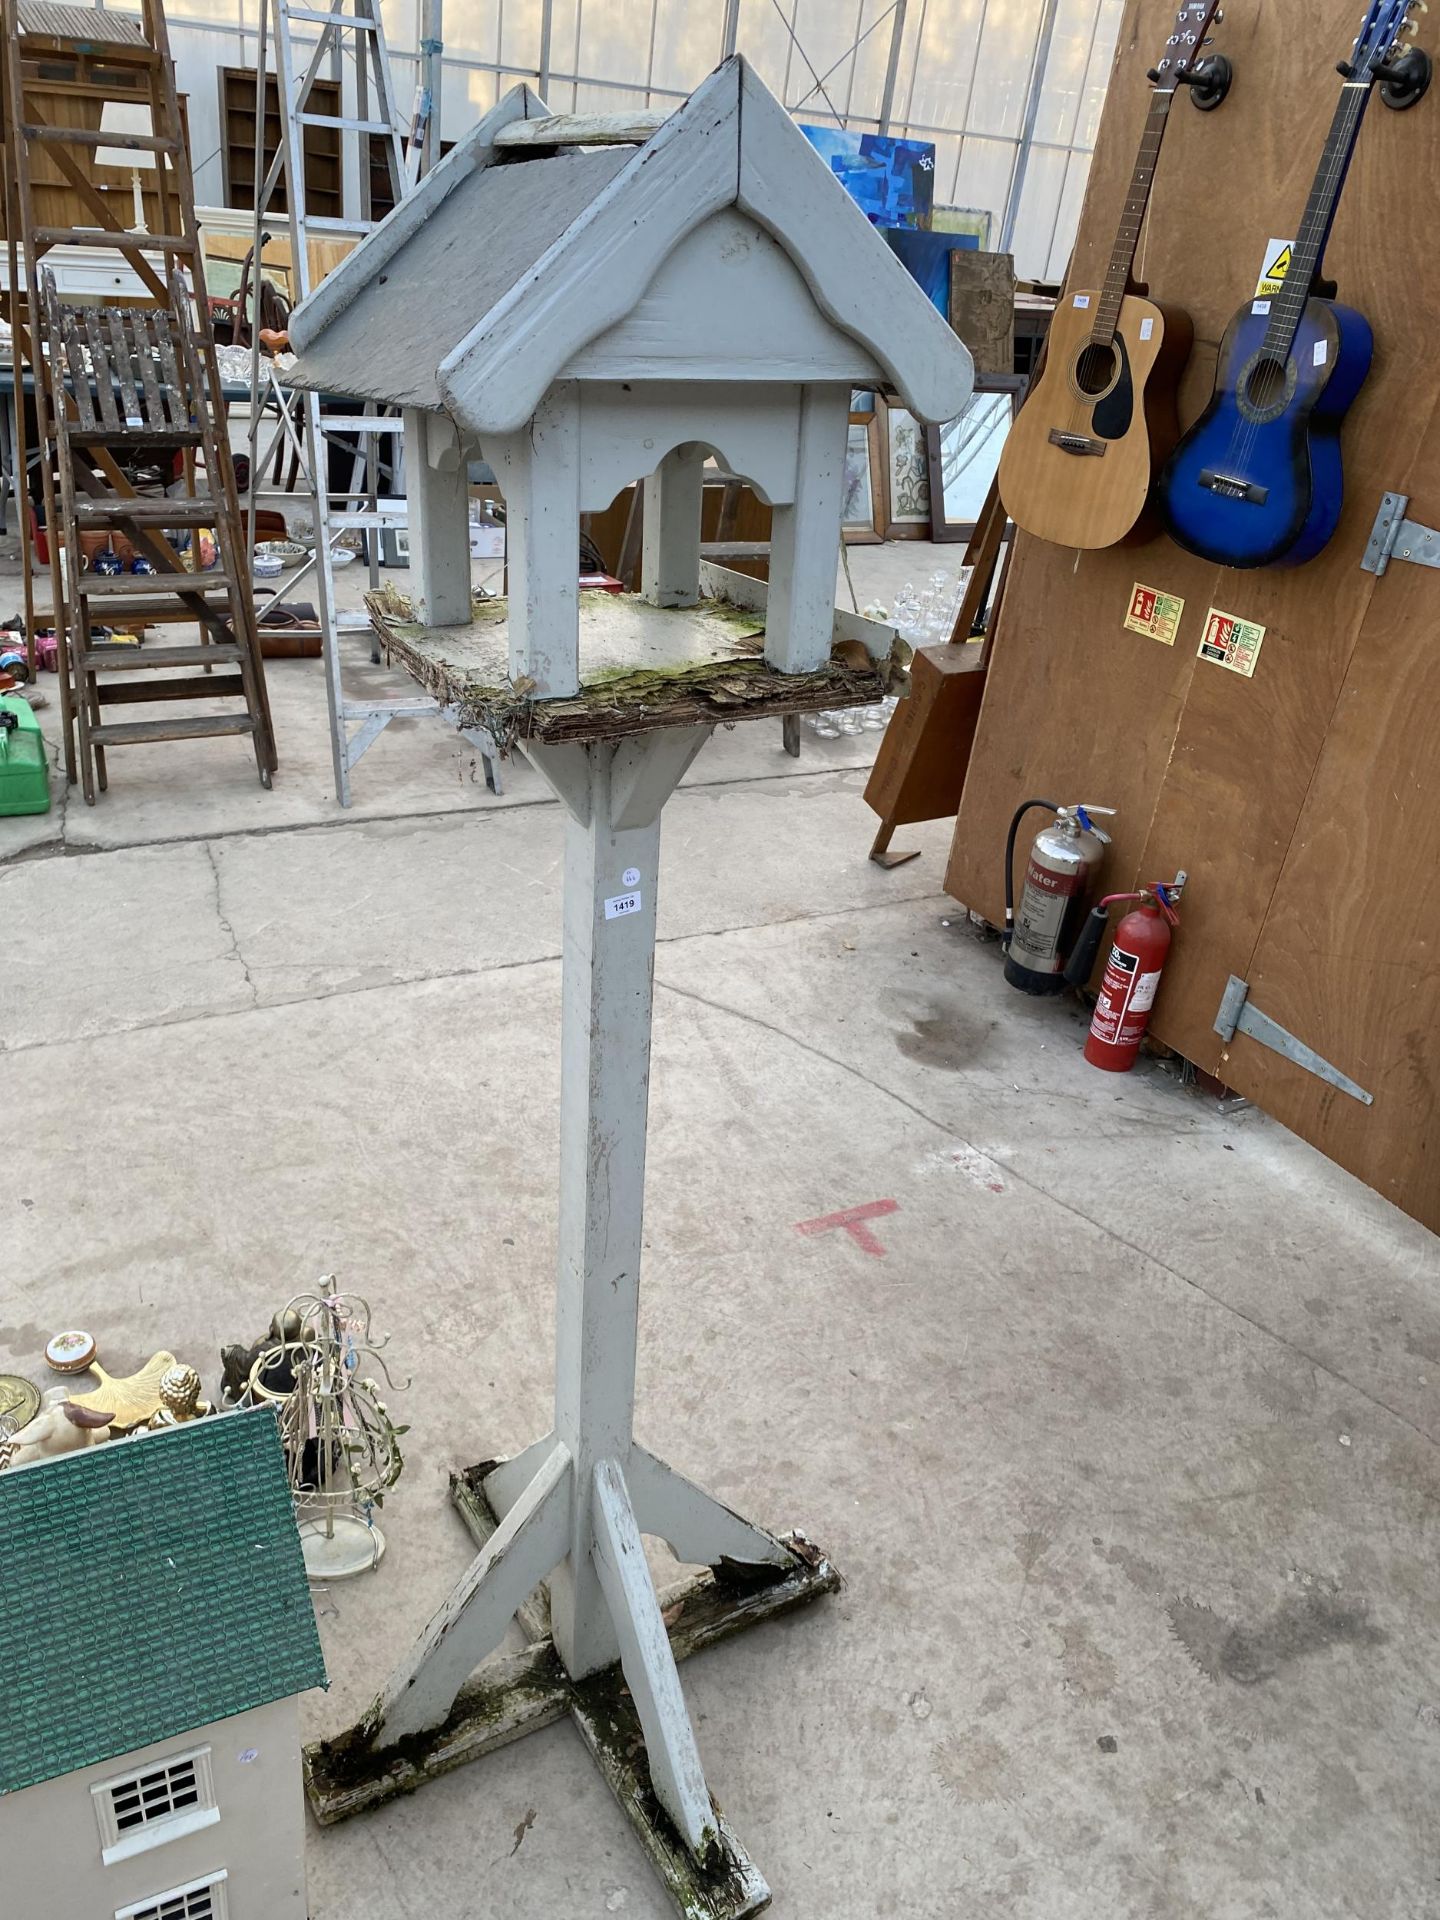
x=927, y=255
x=891, y=181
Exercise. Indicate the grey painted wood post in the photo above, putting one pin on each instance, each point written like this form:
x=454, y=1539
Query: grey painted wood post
x=437, y=501
x=612, y=852
x=670, y=562
x=805, y=538
x=580, y=1500
x=538, y=469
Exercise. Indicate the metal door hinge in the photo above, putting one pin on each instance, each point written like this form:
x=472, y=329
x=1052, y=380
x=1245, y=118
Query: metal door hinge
x=1236, y=1015
x=1393, y=537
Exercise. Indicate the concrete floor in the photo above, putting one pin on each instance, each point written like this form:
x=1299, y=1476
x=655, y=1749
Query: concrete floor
x=1123, y=1444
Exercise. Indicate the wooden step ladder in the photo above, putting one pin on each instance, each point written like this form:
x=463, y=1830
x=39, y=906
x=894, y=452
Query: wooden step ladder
x=112, y=382
x=144, y=386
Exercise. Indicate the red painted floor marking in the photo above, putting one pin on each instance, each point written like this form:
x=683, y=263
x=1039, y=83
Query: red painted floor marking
x=852, y=1220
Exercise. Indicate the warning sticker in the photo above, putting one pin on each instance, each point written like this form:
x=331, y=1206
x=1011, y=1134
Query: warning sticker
x=1231, y=642
x=1274, y=268
x=1044, y=903
x=1146, y=988
x=1154, y=613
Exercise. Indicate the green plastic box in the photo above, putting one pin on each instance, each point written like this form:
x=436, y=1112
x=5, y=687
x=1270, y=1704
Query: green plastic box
x=24, y=769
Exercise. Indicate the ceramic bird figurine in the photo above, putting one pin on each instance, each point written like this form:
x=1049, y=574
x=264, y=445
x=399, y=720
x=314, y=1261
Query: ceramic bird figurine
x=59, y=1427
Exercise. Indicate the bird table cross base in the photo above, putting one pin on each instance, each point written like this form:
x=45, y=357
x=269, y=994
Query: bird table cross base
x=571, y=1510
x=517, y=1693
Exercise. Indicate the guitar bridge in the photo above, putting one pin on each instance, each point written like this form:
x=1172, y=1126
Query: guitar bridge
x=1234, y=488
x=1075, y=442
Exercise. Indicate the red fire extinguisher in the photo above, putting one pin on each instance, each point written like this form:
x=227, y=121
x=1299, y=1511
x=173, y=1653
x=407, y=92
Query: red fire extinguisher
x=1132, y=973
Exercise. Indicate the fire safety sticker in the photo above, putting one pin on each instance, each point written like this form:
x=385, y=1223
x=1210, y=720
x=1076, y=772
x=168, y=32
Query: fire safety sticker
x=1231, y=642
x=1154, y=613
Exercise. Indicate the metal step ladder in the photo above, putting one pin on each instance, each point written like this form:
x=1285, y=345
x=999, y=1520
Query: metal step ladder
x=112, y=382
x=300, y=422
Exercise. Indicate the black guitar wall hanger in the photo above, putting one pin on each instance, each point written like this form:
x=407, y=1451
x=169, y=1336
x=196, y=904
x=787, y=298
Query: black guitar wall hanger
x=1209, y=78
x=1404, y=79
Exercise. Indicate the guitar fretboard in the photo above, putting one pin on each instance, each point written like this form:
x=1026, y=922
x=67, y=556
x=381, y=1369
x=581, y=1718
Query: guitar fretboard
x=1137, y=200
x=1287, y=307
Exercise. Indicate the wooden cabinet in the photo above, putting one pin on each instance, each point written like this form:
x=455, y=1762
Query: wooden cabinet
x=324, y=183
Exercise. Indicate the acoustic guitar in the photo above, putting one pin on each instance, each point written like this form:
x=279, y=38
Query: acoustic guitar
x=1257, y=481
x=1099, y=422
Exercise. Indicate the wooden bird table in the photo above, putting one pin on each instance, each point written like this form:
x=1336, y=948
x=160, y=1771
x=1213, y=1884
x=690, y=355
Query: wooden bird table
x=655, y=298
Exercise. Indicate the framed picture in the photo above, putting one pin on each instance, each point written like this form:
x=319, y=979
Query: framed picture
x=982, y=308
x=862, y=518
x=926, y=258
x=963, y=454
x=907, y=477
x=971, y=220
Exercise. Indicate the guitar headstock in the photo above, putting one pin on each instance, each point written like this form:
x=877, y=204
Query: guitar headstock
x=1193, y=21
x=1379, y=38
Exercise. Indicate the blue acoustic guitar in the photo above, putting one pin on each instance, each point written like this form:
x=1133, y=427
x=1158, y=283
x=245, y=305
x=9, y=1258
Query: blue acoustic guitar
x=1256, y=482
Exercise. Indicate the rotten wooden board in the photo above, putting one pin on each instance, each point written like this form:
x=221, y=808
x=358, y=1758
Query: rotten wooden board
x=509, y=1696
x=727, y=1885
x=642, y=668
x=583, y=130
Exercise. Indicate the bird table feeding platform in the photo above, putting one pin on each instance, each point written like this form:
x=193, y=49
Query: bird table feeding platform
x=583, y=302
x=643, y=668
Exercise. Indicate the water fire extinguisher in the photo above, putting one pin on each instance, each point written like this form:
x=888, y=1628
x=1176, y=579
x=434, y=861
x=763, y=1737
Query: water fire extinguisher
x=1132, y=973
x=1060, y=875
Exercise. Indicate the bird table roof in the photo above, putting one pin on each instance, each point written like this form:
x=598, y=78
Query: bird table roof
x=527, y=243
x=471, y=251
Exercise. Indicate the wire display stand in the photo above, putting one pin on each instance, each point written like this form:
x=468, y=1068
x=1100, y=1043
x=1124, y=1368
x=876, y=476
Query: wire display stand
x=342, y=1447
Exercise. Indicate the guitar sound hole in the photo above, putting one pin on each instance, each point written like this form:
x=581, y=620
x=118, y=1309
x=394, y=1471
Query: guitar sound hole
x=1265, y=384
x=1096, y=369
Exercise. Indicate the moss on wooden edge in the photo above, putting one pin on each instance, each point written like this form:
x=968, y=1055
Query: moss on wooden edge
x=717, y=1886
x=641, y=700
x=615, y=701
x=504, y=1699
